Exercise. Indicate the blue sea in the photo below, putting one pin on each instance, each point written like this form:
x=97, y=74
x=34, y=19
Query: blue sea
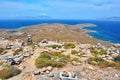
x=105, y=30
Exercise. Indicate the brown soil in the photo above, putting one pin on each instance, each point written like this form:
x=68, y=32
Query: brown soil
x=60, y=32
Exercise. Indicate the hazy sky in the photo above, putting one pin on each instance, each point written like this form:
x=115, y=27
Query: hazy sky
x=59, y=9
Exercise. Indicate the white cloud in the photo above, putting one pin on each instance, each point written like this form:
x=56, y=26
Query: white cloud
x=43, y=14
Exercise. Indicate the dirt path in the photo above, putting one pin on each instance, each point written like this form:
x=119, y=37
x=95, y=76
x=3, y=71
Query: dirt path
x=29, y=67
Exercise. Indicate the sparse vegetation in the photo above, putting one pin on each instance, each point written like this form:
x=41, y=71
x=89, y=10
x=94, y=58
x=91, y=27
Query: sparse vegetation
x=29, y=43
x=69, y=45
x=62, y=51
x=117, y=65
x=97, y=61
x=1, y=50
x=97, y=52
x=8, y=72
x=102, y=51
x=93, y=50
x=54, y=59
x=17, y=51
x=1, y=63
x=75, y=59
x=55, y=46
x=74, y=52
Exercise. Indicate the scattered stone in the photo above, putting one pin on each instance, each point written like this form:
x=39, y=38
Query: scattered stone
x=50, y=75
x=65, y=74
x=36, y=72
x=90, y=67
x=56, y=68
x=26, y=54
x=75, y=63
x=29, y=38
x=49, y=68
x=116, y=45
x=73, y=75
x=114, y=55
x=47, y=72
x=43, y=69
x=42, y=73
x=21, y=67
x=109, y=58
x=116, y=75
x=79, y=54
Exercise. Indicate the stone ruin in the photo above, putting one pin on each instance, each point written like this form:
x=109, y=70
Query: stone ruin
x=68, y=76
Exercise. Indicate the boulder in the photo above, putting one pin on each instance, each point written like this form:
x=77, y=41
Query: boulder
x=73, y=75
x=79, y=54
x=4, y=43
x=65, y=74
x=42, y=73
x=117, y=51
x=36, y=72
x=26, y=54
x=116, y=45
x=114, y=55
x=76, y=63
x=109, y=58
x=90, y=67
x=116, y=75
x=49, y=68
x=43, y=69
x=50, y=75
x=47, y=72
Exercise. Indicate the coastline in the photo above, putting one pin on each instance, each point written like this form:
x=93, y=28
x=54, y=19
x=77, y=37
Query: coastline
x=73, y=31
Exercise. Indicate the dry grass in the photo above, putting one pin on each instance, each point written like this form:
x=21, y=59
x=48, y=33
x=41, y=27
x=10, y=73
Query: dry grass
x=58, y=32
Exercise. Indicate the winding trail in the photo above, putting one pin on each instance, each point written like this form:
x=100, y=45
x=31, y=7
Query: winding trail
x=29, y=67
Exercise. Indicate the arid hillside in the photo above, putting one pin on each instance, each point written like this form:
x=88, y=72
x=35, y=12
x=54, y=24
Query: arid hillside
x=55, y=32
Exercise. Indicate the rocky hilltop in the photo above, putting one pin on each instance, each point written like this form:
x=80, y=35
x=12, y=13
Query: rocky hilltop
x=57, y=52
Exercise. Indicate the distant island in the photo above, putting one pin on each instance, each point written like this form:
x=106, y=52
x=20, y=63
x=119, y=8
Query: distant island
x=110, y=18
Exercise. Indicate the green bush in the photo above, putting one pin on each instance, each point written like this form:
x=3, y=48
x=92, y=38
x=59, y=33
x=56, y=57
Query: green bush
x=98, y=52
x=105, y=64
x=1, y=63
x=49, y=59
x=58, y=55
x=55, y=46
x=102, y=63
x=69, y=45
x=29, y=43
x=58, y=64
x=45, y=55
x=17, y=51
x=1, y=50
x=97, y=61
x=93, y=50
x=74, y=52
x=41, y=62
x=102, y=51
x=8, y=72
x=117, y=65
x=62, y=51
x=76, y=60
